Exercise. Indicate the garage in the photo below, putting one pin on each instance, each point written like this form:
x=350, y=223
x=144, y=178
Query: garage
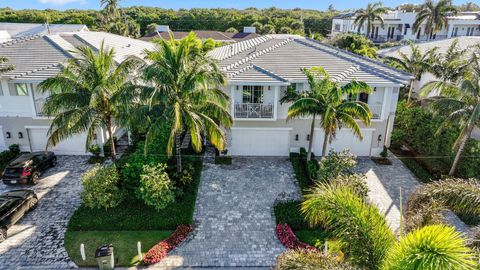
x=260, y=142
x=71, y=146
x=346, y=140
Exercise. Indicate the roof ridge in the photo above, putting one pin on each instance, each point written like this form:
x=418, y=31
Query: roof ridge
x=35, y=70
x=19, y=40
x=257, y=54
x=260, y=69
x=260, y=39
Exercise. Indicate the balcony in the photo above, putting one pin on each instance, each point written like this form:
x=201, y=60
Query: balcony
x=253, y=110
x=39, y=103
x=376, y=111
x=386, y=38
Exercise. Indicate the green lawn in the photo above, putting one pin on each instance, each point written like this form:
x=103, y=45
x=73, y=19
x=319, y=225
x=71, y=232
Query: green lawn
x=124, y=244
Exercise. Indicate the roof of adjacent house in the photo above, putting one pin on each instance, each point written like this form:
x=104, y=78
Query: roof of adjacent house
x=281, y=58
x=203, y=34
x=442, y=45
x=19, y=30
x=41, y=57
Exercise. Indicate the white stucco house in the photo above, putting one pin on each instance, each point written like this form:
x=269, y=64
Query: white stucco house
x=10, y=31
x=35, y=59
x=398, y=25
x=260, y=70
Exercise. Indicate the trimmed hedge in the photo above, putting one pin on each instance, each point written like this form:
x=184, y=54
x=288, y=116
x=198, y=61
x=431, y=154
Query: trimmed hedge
x=289, y=213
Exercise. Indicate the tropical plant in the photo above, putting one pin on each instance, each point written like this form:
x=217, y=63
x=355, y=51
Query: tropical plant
x=185, y=90
x=84, y=97
x=309, y=260
x=434, y=16
x=415, y=62
x=231, y=30
x=460, y=103
x=4, y=67
x=363, y=229
x=155, y=188
x=112, y=19
x=100, y=188
x=151, y=28
x=430, y=248
x=327, y=100
x=355, y=43
x=372, y=13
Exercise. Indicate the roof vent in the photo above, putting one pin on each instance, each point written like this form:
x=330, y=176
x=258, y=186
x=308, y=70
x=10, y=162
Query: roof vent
x=163, y=28
x=249, y=29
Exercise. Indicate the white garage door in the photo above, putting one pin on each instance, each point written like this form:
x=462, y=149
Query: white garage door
x=71, y=146
x=2, y=140
x=260, y=142
x=346, y=140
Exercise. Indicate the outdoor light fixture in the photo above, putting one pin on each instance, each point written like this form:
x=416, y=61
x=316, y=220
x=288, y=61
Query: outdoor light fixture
x=379, y=137
x=9, y=135
x=296, y=137
x=308, y=137
x=20, y=135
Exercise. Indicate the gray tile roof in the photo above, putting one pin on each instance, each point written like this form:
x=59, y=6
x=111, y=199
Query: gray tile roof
x=284, y=57
x=41, y=57
x=19, y=30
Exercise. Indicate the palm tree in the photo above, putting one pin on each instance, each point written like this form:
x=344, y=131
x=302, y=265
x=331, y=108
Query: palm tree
x=370, y=14
x=435, y=16
x=185, y=90
x=326, y=99
x=459, y=101
x=416, y=63
x=84, y=95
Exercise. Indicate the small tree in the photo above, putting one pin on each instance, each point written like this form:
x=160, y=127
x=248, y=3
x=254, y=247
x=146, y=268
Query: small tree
x=100, y=189
x=155, y=188
x=152, y=28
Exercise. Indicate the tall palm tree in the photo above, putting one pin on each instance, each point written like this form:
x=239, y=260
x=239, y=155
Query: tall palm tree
x=326, y=99
x=83, y=97
x=186, y=91
x=370, y=14
x=435, y=16
x=415, y=63
x=461, y=103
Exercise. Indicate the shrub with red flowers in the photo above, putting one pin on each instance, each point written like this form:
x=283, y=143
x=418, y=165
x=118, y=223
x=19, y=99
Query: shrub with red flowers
x=289, y=239
x=160, y=250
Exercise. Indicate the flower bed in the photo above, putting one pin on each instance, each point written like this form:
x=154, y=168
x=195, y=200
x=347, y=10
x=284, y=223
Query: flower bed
x=289, y=239
x=160, y=250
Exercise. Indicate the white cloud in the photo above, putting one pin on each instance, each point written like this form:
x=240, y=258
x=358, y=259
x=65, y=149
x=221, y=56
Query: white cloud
x=62, y=2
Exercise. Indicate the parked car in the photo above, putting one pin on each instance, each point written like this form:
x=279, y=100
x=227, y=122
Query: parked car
x=13, y=206
x=27, y=168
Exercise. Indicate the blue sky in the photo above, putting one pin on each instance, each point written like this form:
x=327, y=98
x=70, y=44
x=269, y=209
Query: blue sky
x=94, y=4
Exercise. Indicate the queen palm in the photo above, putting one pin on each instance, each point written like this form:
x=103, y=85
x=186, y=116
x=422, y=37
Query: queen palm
x=83, y=97
x=461, y=103
x=415, y=63
x=434, y=16
x=186, y=91
x=326, y=99
x=370, y=14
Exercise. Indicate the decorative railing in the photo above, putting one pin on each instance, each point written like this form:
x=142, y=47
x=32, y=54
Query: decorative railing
x=39, y=103
x=253, y=110
x=385, y=38
x=376, y=111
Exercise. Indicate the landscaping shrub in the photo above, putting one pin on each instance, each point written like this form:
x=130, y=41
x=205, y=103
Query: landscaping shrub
x=360, y=226
x=303, y=259
x=100, y=188
x=225, y=160
x=431, y=247
x=155, y=188
x=289, y=213
x=334, y=164
x=288, y=238
x=94, y=149
x=298, y=164
x=356, y=181
x=7, y=155
x=160, y=250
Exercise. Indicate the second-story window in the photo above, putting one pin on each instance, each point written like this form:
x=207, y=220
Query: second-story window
x=252, y=94
x=18, y=89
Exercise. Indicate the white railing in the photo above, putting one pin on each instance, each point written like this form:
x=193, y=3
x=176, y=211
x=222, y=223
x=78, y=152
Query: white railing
x=376, y=111
x=39, y=103
x=253, y=110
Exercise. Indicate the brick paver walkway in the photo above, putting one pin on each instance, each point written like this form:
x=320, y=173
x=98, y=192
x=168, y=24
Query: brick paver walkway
x=235, y=225
x=36, y=242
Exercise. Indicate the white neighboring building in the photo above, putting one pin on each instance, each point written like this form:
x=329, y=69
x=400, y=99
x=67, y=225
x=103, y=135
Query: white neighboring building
x=398, y=25
x=35, y=59
x=10, y=31
x=260, y=70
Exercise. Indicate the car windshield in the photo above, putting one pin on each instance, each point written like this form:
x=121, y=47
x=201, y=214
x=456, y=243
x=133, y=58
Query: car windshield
x=5, y=206
x=24, y=160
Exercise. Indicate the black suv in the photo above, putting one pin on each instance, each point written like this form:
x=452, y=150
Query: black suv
x=13, y=206
x=27, y=168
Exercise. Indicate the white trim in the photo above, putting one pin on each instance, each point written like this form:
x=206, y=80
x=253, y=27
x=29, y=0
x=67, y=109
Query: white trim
x=257, y=83
x=32, y=102
x=260, y=128
x=254, y=119
x=37, y=127
x=363, y=129
x=43, y=117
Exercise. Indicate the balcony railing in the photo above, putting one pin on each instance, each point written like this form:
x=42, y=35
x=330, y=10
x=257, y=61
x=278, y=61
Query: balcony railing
x=376, y=111
x=253, y=110
x=385, y=38
x=39, y=103
x=428, y=38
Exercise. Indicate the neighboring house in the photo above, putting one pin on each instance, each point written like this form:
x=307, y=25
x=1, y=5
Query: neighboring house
x=10, y=31
x=442, y=46
x=163, y=31
x=398, y=25
x=36, y=59
x=260, y=70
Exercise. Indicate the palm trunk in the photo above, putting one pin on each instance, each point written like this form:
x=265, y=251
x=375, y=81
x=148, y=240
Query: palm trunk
x=410, y=92
x=110, y=134
x=310, y=142
x=178, y=152
x=325, y=143
x=460, y=151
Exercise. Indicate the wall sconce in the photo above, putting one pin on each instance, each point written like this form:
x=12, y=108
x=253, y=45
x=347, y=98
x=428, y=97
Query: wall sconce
x=308, y=137
x=296, y=137
x=20, y=135
x=9, y=135
x=269, y=87
x=379, y=138
x=374, y=89
x=237, y=87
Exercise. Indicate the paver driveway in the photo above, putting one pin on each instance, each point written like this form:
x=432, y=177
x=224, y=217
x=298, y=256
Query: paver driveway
x=234, y=214
x=36, y=242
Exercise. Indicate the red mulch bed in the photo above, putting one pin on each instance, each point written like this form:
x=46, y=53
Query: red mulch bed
x=160, y=250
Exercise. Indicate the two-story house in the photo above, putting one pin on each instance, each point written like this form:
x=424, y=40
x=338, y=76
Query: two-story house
x=35, y=59
x=398, y=25
x=260, y=70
